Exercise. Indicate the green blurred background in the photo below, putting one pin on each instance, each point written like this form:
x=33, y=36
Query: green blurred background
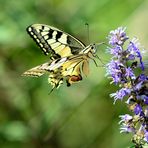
x=80, y=116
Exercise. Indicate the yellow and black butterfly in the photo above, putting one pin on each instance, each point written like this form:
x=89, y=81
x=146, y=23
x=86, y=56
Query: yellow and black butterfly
x=69, y=57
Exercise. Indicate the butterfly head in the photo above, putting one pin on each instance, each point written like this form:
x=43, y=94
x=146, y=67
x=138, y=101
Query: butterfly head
x=89, y=49
x=92, y=48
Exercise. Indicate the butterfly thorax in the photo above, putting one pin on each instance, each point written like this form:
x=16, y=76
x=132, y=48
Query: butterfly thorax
x=89, y=49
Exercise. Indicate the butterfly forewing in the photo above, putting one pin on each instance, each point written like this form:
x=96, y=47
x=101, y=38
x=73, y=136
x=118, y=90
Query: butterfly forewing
x=54, y=41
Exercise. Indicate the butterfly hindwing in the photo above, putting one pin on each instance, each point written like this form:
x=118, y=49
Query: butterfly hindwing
x=71, y=67
x=68, y=68
x=54, y=41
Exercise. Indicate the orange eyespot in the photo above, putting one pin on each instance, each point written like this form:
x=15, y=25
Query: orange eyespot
x=73, y=79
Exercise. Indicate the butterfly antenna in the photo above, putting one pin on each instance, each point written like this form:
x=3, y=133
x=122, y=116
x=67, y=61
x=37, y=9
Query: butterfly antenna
x=103, y=43
x=87, y=27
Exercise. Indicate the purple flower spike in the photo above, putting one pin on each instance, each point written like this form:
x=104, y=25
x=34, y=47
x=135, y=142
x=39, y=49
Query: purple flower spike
x=118, y=36
x=120, y=94
x=126, y=129
x=137, y=109
x=115, y=51
x=129, y=73
x=146, y=136
x=134, y=51
x=145, y=98
x=133, y=86
x=125, y=118
x=113, y=69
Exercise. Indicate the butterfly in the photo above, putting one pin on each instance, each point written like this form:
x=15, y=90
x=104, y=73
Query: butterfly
x=69, y=57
